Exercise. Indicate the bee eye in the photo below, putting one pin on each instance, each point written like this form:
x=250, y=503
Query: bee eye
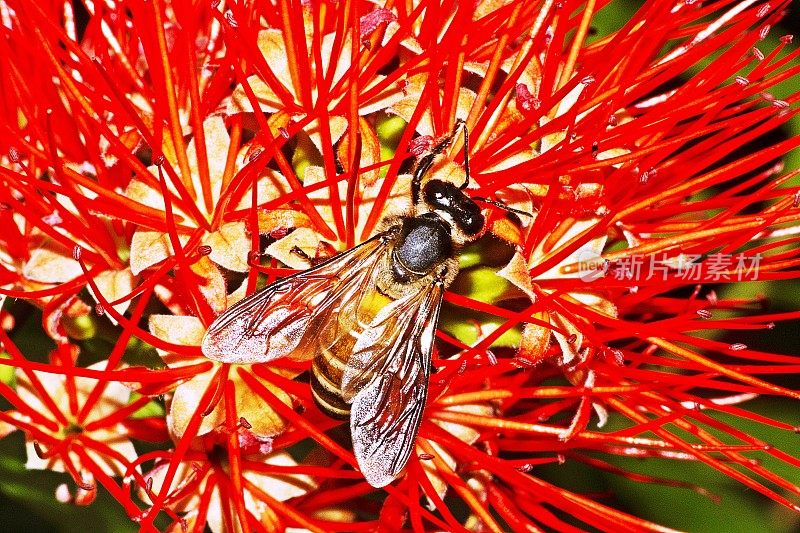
x=472, y=224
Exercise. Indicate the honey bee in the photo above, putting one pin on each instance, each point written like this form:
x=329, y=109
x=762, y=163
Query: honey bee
x=367, y=317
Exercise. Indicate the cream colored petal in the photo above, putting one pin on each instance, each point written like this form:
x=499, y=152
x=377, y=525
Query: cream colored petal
x=273, y=48
x=250, y=405
x=321, y=198
x=149, y=248
x=464, y=433
x=405, y=108
x=570, y=351
x=304, y=238
x=397, y=204
x=337, y=125
x=387, y=97
x=282, y=219
x=370, y=153
x=238, y=294
x=113, y=285
x=51, y=266
x=185, y=401
x=6, y=428
x=271, y=185
x=596, y=302
x=429, y=467
x=214, y=518
x=217, y=142
x=531, y=75
x=517, y=158
x=34, y=462
x=281, y=487
x=259, y=413
x=120, y=445
x=181, y=330
x=409, y=43
x=230, y=245
x=143, y=193
x=487, y=7
x=342, y=63
x=479, y=68
x=535, y=340
x=611, y=153
x=516, y=272
x=115, y=395
x=184, y=474
x=53, y=385
x=268, y=101
x=211, y=284
x=549, y=141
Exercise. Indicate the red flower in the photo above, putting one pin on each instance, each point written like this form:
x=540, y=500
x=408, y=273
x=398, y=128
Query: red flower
x=162, y=160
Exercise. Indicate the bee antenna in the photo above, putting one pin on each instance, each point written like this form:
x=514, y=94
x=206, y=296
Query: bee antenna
x=501, y=205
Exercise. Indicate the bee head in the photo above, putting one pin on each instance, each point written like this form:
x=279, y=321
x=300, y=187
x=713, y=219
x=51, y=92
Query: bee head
x=449, y=201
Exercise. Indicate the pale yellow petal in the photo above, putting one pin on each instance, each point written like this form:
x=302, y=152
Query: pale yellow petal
x=186, y=400
x=386, y=97
x=596, y=302
x=283, y=249
x=217, y=142
x=230, y=246
x=270, y=185
x=48, y=265
x=149, y=248
x=535, y=340
x=342, y=63
x=570, y=343
x=113, y=285
x=282, y=219
x=120, y=445
x=281, y=487
x=182, y=330
x=268, y=101
x=516, y=271
x=336, y=124
x=273, y=48
x=211, y=284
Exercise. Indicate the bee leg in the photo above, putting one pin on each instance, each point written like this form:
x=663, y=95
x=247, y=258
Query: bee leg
x=460, y=122
x=426, y=162
x=420, y=170
x=296, y=250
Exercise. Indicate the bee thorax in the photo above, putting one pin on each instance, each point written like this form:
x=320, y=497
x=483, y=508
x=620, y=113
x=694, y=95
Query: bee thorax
x=423, y=244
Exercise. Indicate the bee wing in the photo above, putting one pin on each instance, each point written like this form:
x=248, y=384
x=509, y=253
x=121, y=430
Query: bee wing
x=274, y=322
x=386, y=378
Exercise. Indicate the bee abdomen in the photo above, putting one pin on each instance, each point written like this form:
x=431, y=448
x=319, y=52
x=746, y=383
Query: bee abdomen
x=326, y=379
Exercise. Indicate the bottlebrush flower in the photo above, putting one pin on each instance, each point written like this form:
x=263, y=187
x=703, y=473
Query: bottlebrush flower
x=73, y=424
x=162, y=160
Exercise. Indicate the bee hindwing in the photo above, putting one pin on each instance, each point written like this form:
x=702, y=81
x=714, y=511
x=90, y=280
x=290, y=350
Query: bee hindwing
x=387, y=380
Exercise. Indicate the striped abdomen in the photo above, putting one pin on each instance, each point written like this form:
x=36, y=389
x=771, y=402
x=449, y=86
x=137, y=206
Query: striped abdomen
x=326, y=380
x=333, y=351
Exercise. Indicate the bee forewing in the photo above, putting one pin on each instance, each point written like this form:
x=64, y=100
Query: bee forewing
x=387, y=380
x=278, y=321
x=259, y=330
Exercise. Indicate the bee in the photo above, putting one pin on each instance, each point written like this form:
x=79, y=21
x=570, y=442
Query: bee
x=367, y=318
